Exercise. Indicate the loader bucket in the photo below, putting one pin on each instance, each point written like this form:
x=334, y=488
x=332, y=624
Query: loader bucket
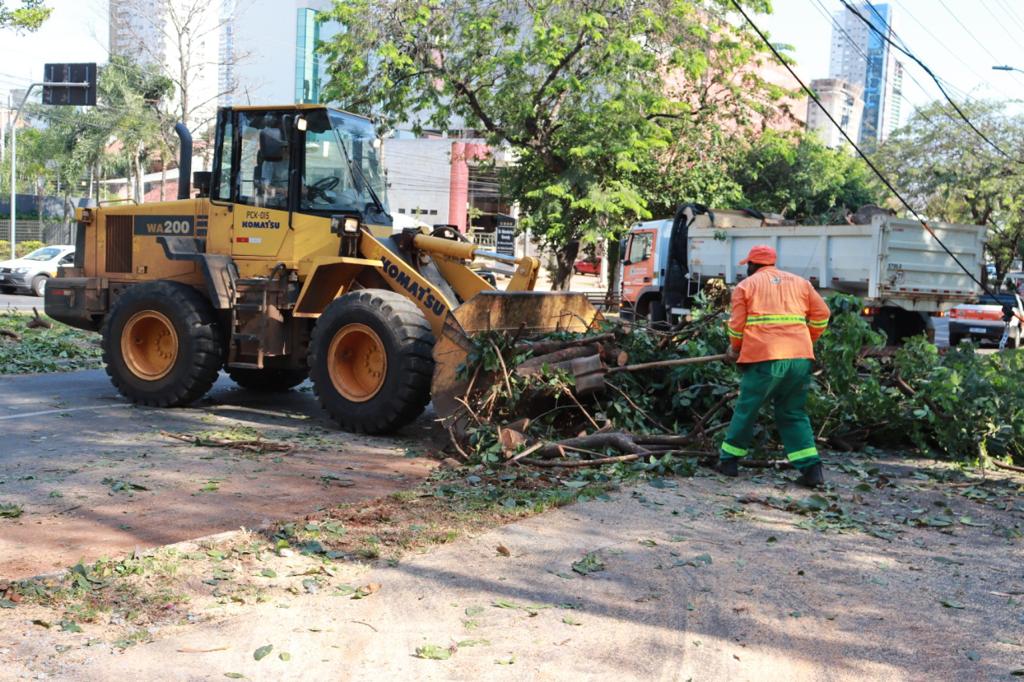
x=527, y=312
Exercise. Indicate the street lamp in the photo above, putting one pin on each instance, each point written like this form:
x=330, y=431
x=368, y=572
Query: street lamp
x=1006, y=67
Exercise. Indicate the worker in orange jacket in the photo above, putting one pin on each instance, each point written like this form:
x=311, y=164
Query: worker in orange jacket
x=776, y=318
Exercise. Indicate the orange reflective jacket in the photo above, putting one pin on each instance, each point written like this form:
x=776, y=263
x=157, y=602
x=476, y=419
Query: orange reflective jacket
x=776, y=316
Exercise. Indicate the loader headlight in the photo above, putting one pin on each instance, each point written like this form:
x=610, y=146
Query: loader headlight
x=344, y=224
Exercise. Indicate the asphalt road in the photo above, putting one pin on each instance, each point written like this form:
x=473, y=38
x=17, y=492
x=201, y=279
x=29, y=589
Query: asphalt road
x=12, y=302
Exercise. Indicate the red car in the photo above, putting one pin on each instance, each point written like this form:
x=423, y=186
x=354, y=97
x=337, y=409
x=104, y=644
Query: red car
x=587, y=266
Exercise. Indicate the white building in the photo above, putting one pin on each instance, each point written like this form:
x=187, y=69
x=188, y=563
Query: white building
x=274, y=43
x=186, y=39
x=842, y=100
x=860, y=56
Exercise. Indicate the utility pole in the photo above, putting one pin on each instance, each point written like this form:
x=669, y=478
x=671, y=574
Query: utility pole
x=63, y=84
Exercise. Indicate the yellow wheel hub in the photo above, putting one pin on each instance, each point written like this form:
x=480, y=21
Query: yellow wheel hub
x=357, y=362
x=149, y=345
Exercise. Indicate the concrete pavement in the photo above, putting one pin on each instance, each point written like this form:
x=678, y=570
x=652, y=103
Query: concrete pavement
x=72, y=450
x=686, y=584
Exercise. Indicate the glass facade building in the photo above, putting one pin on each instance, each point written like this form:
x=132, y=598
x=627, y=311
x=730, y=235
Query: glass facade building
x=307, y=61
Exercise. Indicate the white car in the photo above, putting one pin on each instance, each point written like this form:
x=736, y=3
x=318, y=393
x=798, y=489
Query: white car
x=29, y=273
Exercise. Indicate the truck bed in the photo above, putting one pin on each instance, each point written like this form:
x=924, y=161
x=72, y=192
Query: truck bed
x=889, y=262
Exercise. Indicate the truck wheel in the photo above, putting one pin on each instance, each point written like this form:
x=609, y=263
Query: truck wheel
x=39, y=285
x=370, y=360
x=268, y=379
x=161, y=344
x=955, y=339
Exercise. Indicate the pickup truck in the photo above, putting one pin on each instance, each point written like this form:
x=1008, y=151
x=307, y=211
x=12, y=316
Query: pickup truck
x=897, y=268
x=982, y=320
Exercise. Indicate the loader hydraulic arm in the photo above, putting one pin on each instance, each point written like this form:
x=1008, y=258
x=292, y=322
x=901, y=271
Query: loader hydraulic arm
x=449, y=256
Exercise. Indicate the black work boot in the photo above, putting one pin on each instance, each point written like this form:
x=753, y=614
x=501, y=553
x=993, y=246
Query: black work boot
x=813, y=476
x=729, y=466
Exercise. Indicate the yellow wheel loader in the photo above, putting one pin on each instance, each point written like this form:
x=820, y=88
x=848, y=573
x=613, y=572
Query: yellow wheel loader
x=285, y=265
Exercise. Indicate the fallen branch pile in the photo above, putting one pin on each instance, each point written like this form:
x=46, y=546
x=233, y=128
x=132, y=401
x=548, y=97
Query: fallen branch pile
x=629, y=395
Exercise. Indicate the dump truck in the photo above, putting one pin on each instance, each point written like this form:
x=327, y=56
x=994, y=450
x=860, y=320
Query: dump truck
x=283, y=266
x=899, y=270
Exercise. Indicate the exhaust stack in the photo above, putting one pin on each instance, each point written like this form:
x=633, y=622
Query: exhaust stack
x=184, y=161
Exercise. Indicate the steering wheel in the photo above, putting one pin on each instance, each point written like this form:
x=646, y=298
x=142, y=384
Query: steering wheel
x=322, y=186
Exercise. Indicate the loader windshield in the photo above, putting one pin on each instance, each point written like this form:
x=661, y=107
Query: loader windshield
x=342, y=166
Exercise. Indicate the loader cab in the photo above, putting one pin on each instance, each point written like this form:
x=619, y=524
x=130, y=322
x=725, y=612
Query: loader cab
x=309, y=160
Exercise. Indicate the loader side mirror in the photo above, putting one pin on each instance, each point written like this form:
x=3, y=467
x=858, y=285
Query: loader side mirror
x=271, y=145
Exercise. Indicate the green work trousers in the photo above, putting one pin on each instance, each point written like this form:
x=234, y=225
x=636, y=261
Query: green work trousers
x=785, y=384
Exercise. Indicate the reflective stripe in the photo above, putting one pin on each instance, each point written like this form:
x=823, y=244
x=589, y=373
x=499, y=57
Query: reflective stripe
x=800, y=454
x=733, y=334
x=733, y=450
x=776, y=319
x=818, y=324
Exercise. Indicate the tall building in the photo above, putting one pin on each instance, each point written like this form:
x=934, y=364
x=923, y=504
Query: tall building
x=842, y=100
x=274, y=43
x=178, y=36
x=859, y=55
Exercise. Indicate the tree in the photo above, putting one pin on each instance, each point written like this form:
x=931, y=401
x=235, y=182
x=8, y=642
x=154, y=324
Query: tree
x=796, y=175
x=123, y=132
x=29, y=17
x=581, y=91
x=181, y=38
x=948, y=173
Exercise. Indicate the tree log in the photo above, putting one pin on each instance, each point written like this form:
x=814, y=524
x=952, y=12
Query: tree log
x=622, y=442
x=545, y=347
x=535, y=364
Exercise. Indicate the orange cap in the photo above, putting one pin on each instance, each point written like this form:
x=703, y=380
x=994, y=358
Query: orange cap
x=761, y=255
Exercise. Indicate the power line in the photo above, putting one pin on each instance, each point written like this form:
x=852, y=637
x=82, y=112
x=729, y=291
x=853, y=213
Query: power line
x=860, y=152
x=1010, y=12
x=946, y=47
x=935, y=78
x=1000, y=23
x=966, y=30
x=849, y=39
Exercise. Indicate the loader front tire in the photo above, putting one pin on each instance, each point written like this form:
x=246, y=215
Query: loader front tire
x=371, y=361
x=268, y=379
x=161, y=344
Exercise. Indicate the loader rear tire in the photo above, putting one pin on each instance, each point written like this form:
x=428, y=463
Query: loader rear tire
x=371, y=362
x=268, y=379
x=161, y=344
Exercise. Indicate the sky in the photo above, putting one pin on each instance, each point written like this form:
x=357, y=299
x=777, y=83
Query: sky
x=75, y=32
x=960, y=40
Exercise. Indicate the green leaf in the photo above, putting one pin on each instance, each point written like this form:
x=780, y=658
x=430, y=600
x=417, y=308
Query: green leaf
x=10, y=511
x=235, y=676
x=263, y=652
x=285, y=656
x=950, y=604
x=505, y=661
x=433, y=652
x=590, y=563
x=70, y=626
x=474, y=611
x=700, y=560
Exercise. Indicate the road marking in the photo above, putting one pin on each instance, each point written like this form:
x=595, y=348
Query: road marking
x=42, y=413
